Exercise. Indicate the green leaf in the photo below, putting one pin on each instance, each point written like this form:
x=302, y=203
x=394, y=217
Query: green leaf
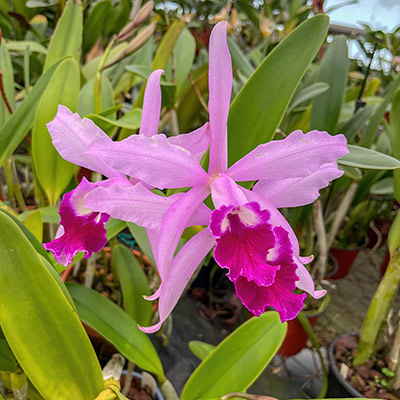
x=67, y=37
x=35, y=224
x=43, y=329
x=117, y=327
x=200, y=349
x=395, y=140
x=266, y=95
x=134, y=285
x=86, y=97
x=239, y=59
x=94, y=24
x=163, y=52
x=236, y=362
x=8, y=83
x=53, y=172
x=8, y=361
x=383, y=187
x=307, y=93
x=21, y=46
x=130, y=120
x=113, y=227
x=14, y=130
x=370, y=133
x=360, y=157
x=140, y=235
x=355, y=123
x=29, y=235
x=333, y=71
x=184, y=53
x=189, y=106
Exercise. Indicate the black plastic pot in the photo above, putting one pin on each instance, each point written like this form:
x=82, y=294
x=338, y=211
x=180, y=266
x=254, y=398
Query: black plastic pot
x=159, y=395
x=338, y=386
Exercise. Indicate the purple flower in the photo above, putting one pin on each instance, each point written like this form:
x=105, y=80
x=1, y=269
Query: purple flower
x=252, y=240
x=81, y=227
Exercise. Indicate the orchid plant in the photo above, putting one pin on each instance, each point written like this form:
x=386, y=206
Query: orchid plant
x=252, y=240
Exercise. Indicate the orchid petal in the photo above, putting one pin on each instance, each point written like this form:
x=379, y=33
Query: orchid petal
x=305, y=281
x=151, y=105
x=152, y=160
x=298, y=155
x=72, y=136
x=196, y=142
x=183, y=267
x=139, y=205
x=174, y=223
x=225, y=191
x=220, y=87
x=295, y=192
x=82, y=229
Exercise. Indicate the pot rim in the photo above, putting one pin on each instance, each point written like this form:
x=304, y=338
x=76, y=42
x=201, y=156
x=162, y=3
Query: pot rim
x=334, y=369
x=159, y=395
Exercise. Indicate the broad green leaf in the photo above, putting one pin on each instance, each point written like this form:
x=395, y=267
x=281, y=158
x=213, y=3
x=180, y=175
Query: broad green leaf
x=184, y=53
x=383, y=187
x=94, y=23
x=395, y=140
x=307, y=93
x=360, y=157
x=21, y=46
x=333, y=71
x=200, y=349
x=67, y=37
x=370, y=133
x=53, y=172
x=60, y=283
x=355, y=123
x=239, y=59
x=35, y=224
x=86, y=96
x=189, y=106
x=43, y=329
x=236, y=362
x=29, y=235
x=139, y=233
x=117, y=327
x=8, y=361
x=134, y=285
x=14, y=130
x=130, y=120
x=113, y=227
x=8, y=83
x=49, y=215
x=266, y=95
x=351, y=172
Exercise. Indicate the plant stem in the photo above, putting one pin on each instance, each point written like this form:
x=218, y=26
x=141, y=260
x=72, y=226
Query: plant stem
x=320, y=265
x=341, y=213
x=378, y=311
x=128, y=378
x=394, y=355
x=168, y=391
x=90, y=268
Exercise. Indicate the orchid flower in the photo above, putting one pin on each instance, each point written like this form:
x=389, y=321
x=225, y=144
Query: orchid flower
x=83, y=228
x=252, y=240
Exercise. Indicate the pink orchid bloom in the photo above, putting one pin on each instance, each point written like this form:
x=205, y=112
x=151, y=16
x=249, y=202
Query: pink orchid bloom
x=83, y=228
x=252, y=240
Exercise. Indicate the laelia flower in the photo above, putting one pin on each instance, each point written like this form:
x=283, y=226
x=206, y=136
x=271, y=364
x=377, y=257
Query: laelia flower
x=83, y=228
x=252, y=240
